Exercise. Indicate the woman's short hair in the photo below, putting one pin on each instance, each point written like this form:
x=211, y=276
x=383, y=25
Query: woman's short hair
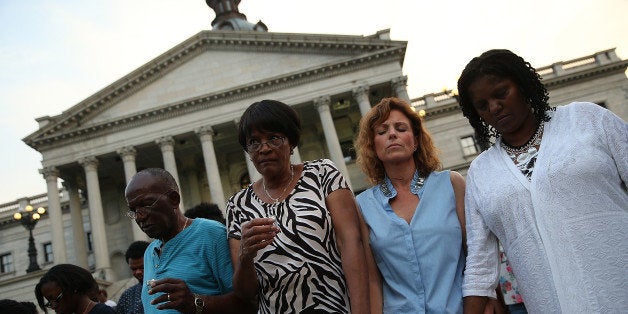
x=270, y=116
x=70, y=278
x=504, y=64
x=425, y=157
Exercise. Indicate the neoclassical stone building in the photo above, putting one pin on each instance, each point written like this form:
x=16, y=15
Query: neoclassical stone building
x=180, y=111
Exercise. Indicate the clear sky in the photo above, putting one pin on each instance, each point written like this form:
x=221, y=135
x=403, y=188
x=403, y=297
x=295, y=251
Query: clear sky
x=55, y=53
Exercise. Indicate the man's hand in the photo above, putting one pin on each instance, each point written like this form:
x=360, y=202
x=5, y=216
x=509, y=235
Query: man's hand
x=175, y=294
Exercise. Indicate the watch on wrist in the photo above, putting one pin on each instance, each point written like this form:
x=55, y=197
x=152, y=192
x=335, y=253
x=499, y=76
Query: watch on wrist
x=199, y=303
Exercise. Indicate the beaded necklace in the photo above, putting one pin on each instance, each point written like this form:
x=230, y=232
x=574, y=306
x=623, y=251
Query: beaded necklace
x=523, y=153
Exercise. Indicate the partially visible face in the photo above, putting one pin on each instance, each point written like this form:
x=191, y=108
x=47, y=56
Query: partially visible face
x=51, y=291
x=498, y=101
x=269, y=160
x=394, y=139
x=149, y=192
x=137, y=268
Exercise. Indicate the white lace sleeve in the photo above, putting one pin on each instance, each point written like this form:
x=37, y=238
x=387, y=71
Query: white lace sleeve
x=481, y=274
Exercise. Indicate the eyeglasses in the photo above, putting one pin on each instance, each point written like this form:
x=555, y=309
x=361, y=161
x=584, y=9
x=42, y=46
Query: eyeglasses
x=273, y=142
x=133, y=212
x=54, y=303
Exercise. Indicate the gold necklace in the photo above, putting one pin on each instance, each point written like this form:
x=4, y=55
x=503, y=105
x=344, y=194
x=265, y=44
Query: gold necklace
x=276, y=200
x=184, y=224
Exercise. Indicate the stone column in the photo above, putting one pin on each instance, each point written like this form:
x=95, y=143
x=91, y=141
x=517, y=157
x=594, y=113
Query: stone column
x=193, y=187
x=295, y=158
x=78, y=231
x=253, y=174
x=331, y=137
x=166, y=144
x=128, y=154
x=206, y=135
x=97, y=219
x=361, y=95
x=399, y=86
x=51, y=174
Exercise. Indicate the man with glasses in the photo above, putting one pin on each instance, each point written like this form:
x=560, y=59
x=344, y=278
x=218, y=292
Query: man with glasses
x=188, y=266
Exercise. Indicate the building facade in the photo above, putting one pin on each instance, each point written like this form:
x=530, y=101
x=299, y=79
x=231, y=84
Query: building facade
x=180, y=112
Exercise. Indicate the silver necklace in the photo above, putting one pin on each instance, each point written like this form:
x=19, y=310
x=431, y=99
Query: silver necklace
x=527, y=148
x=276, y=200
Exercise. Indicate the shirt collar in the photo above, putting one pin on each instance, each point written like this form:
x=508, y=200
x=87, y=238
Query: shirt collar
x=389, y=191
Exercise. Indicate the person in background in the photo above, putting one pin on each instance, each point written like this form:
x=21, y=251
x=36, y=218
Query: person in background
x=209, y=211
x=103, y=297
x=508, y=286
x=414, y=213
x=30, y=307
x=131, y=299
x=188, y=267
x=550, y=185
x=11, y=306
x=66, y=288
x=294, y=234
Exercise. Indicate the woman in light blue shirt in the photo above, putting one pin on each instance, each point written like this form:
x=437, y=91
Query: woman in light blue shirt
x=414, y=214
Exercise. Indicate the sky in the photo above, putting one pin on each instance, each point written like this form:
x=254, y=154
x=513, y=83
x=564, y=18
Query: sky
x=56, y=53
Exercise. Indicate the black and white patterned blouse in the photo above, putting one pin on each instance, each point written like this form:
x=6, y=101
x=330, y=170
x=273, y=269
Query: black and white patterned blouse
x=301, y=271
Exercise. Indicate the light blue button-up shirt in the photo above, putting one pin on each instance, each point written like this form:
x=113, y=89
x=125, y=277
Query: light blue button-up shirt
x=421, y=262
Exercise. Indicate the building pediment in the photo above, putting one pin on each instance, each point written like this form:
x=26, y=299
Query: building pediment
x=244, y=63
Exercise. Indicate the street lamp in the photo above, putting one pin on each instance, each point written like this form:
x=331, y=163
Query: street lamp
x=29, y=219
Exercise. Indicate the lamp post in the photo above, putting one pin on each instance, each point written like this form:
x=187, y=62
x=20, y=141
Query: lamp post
x=29, y=219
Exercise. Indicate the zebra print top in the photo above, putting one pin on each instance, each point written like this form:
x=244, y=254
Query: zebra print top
x=301, y=271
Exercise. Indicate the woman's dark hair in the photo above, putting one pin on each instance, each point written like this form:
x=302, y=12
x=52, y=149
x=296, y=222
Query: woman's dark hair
x=425, y=157
x=70, y=278
x=270, y=116
x=504, y=64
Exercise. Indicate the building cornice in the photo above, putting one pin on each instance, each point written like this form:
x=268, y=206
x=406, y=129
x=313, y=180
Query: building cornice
x=587, y=73
x=65, y=132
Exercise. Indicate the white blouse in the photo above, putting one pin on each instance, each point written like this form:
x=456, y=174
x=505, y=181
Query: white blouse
x=565, y=231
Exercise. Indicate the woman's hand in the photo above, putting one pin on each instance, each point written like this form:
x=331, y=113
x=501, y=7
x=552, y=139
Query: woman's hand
x=256, y=235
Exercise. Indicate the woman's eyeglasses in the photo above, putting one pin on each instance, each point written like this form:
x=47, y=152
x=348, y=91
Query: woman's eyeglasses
x=54, y=303
x=133, y=212
x=274, y=142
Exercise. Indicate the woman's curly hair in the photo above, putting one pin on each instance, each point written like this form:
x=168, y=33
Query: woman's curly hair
x=425, y=157
x=504, y=64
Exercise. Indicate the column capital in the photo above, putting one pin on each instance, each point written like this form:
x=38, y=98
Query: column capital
x=322, y=102
x=50, y=173
x=400, y=81
x=127, y=152
x=89, y=163
x=205, y=131
x=360, y=90
x=165, y=141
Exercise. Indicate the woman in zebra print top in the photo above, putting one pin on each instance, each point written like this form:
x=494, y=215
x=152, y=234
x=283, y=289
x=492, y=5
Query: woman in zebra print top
x=294, y=234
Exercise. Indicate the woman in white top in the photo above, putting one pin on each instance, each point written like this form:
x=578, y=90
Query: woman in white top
x=550, y=186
